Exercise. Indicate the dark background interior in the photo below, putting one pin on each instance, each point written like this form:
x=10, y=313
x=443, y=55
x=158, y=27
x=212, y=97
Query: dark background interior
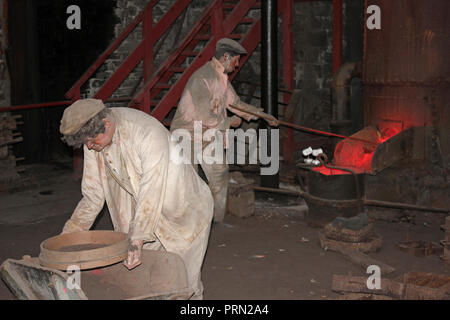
x=46, y=59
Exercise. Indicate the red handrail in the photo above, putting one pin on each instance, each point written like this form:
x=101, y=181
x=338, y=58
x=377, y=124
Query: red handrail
x=135, y=57
x=102, y=58
x=225, y=29
x=176, y=53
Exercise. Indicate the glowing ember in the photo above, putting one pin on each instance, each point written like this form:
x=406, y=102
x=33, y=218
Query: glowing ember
x=357, y=155
x=328, y=172
x=387, y=134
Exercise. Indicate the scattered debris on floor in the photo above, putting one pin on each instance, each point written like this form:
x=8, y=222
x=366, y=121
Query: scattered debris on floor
x=421, y=248
x=363, y=296
x=410, y=286
x=257, y=256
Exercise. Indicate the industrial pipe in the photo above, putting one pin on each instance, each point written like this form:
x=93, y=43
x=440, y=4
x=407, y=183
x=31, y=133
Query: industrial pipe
x=269, y=72
x=367, y=202
x=341, y=84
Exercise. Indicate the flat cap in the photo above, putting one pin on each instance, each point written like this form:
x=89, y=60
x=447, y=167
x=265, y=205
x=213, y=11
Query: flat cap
x=230, y=45
x=77, y=114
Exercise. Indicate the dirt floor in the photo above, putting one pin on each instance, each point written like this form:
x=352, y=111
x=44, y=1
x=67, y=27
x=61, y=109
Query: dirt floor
x=271, y=255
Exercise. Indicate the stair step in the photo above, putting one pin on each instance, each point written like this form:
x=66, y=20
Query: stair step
x=163, y=86
x=166, y=122
x=232, y=5
x=235, y=36
x=202, y=37
x=257, y=5
x=177, y=69
x=229, y=5
x=190, y=53
x=247, y=20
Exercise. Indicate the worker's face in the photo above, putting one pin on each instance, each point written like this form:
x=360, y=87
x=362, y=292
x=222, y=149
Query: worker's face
x=231, y=62
x=102, y=139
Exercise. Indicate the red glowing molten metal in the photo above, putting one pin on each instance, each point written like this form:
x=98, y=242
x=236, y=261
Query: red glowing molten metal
x=355, y=154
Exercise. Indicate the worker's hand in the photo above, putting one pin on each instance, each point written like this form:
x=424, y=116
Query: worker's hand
x=134, y=254
x=273, y=122
x=235, y=121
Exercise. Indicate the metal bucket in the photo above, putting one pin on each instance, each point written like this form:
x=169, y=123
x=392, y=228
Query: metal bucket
x=331, y=196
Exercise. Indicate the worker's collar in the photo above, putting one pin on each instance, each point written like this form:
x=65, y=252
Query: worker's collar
x=116, y=136
x=218, y=66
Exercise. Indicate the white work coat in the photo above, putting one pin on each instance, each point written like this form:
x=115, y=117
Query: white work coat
x=207, y=97
x=148, y=196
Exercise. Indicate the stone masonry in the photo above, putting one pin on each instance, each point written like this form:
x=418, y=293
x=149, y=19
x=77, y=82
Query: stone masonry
x=126, y=11
x=313, y=37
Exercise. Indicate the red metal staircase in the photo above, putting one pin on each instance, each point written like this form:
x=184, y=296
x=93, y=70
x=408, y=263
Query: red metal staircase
x=162, y=88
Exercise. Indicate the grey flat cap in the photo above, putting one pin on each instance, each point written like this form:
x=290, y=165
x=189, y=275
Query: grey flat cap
x=230, y=45
x=77, y=114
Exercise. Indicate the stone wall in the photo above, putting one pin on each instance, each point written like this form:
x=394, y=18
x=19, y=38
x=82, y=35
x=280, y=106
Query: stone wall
x=313, y=53
x=126, y=11
x=313, y=37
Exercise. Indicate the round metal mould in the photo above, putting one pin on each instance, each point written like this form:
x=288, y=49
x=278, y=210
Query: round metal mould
x=86, y=250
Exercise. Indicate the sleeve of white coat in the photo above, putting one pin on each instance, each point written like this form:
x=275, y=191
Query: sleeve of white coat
x=233, y=98
x=154, y=154
x=93, y=196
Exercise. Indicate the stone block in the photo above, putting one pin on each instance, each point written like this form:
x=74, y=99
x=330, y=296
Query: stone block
x=241, y=196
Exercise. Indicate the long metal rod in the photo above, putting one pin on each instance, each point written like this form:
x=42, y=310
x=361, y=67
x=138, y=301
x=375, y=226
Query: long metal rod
x=282, y=191
x=367, y=202
x=54, y=104
x=296, y=126
x=379, y=203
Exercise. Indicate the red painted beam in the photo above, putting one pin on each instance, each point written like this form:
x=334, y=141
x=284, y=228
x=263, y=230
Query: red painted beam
x=149, y=41
x=85, y=77
x=337, y=35
x=169, y=18
x=53, y=104
x=176, y=54
x=174, y=94
x=168, y=74
x=237, y=15
x=250, y=42
x=121, y=73
x=35, y=106
x=288, y=73
x=217, y=21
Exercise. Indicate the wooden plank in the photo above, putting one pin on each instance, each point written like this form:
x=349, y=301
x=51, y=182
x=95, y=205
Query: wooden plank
x=343, y=283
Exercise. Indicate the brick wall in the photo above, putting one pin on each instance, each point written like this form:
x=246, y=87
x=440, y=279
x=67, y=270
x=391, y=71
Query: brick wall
x=126, y=11
x=313, y=38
